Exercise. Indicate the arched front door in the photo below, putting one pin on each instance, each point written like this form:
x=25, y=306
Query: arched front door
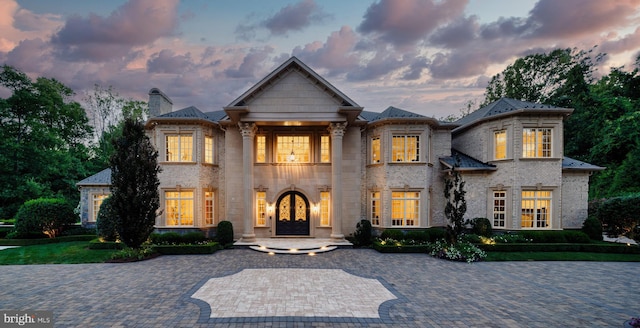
x=292, y=214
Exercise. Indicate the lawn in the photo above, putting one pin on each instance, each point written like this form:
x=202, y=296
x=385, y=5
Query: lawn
x=561, y=256
x=58, y=253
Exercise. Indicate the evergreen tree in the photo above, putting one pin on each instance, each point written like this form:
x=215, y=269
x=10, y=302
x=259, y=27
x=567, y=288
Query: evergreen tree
x=134, y=184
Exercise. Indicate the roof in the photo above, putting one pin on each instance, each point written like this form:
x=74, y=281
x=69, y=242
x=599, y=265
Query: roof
x=188, y=112
x=465, y=162
x=390, y=112
x=102, y=178
x=504, y=106
x=576, y=165
x=291, y=63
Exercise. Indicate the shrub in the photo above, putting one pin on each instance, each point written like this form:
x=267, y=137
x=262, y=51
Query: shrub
x=593, y=228
x=224, y=233
x=46, y=216
x=395, y=234
x=193, y=237
x=436, y=234
x=107, y=221
x=166, y=238
x=621, y=215
x=363, y=233
x=460, y=251
x=420, y=236
x=78, y=231
x=481, y=227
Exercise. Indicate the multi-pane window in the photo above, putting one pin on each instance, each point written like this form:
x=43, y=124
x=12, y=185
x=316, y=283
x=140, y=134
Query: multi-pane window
x=208, y=150
x=179, y=208
x=261, y=149
x=375, y=150
x=536, y=209
x=499, y=208
x=293, y=149
x=536, y=142
x=375, y=208
x=96, y=203
x=500, y=144
x=261, y=208
x=179, y=148
x=405, y=208
x=325, y=146
x=324, y=209
x=208, y=207
x=405, y=148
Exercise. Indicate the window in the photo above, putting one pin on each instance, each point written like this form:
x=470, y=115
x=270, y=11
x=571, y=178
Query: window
x=261, y=149
x=500, y=144
x=208, y=207
x=261, y=208
x=405, y=149
x=179, y=148
x=97, y=200
x=324, y=209
x=405, y=209
x=375, y=150
x=293, y=149
x=208, y=150
x=325, y=154
x=536, y=209
x=499, y=209
x=179, y=208
x=536, y=143
x=375, y=208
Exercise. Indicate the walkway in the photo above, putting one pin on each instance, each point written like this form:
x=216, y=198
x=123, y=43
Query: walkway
x=408, y=290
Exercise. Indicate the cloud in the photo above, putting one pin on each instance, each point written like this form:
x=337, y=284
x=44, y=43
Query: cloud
x=294, y=17
x=251, y=64
x=335, y=54
x=459, y=32
x=405, y=22
x=166, y=61
x=136, y=23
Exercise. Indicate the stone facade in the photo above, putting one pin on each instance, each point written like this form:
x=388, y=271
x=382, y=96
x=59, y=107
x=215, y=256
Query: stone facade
x=385, y=167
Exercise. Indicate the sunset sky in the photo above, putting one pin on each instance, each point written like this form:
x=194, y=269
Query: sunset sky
x=426, y=56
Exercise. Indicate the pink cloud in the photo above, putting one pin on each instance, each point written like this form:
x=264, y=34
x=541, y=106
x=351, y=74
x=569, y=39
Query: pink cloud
x=334, y=55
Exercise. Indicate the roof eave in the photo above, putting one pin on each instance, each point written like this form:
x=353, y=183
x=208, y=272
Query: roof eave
x=520, y=111
x=182, y=120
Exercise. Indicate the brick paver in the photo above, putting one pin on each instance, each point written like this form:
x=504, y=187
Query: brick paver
x=431, y=292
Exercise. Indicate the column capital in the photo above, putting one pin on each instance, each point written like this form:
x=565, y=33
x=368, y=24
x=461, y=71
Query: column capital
x=337, y=129
x=248, y=129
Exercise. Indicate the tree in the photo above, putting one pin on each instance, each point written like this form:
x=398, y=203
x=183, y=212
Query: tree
x=44, y=135
x=456, y=206
x=134, y=184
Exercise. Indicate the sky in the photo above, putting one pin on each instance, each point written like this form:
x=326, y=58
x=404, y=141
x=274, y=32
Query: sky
x=430, y=57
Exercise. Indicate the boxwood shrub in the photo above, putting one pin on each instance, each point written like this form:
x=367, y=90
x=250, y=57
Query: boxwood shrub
x=43, y=216
x=224, y=233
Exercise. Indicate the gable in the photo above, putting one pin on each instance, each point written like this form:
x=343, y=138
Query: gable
x=293, y=93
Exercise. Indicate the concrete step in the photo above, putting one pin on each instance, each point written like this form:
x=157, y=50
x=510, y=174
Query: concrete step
x=293, y=251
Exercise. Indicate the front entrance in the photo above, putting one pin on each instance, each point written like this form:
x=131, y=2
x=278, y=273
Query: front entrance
x=292, y=214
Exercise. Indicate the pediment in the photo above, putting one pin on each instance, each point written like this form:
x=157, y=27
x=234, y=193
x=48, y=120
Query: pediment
x=293, y=93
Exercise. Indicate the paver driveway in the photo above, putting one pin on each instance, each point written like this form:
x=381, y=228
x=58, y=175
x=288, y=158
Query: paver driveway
x=430, y=292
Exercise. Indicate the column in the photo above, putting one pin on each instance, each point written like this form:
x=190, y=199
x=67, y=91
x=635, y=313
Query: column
x=248, y=131
x=337, y=132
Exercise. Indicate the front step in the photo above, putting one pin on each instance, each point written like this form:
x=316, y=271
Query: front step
x=293, y=251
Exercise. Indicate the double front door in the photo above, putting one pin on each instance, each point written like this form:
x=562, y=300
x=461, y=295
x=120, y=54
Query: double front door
x=292, y=214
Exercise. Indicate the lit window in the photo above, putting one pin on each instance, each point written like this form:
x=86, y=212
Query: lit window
x=375, y=150
x=500, y=144
x=179, y=208
x=208, y=150
x=536, y=209
x=97, y=202
x=179, y=148
x=405, y=208
x=405, y=149
x=208, y=207
x=536, y=143
x=375, y=208
x=324, y=209
x=325, y=155
x=261, y=149
x=261, y=208
x=499, y=208
x=293, y=149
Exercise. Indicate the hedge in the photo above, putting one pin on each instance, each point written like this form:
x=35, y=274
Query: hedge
x=561, y=247
x=40, y=241
x=209, y=248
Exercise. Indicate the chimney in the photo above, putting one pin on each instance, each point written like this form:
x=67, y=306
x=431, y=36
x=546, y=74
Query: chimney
x=159, y=103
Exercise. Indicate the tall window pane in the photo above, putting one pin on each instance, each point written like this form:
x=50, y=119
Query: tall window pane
x=97, y=202
x=499, y=208
x=375, y=150
x=261, y=149
x=261, y=208
x=375, y=208
x=179, y=208
x=325, y=144
x=208, y=150
x=208, y=207
x=500, y=144
x=324, y=209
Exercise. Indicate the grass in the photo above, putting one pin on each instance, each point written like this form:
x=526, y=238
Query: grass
x=561, y=256
x=59, y=253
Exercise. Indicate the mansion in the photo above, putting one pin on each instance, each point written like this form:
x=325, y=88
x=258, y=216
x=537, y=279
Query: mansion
x=294, y=156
